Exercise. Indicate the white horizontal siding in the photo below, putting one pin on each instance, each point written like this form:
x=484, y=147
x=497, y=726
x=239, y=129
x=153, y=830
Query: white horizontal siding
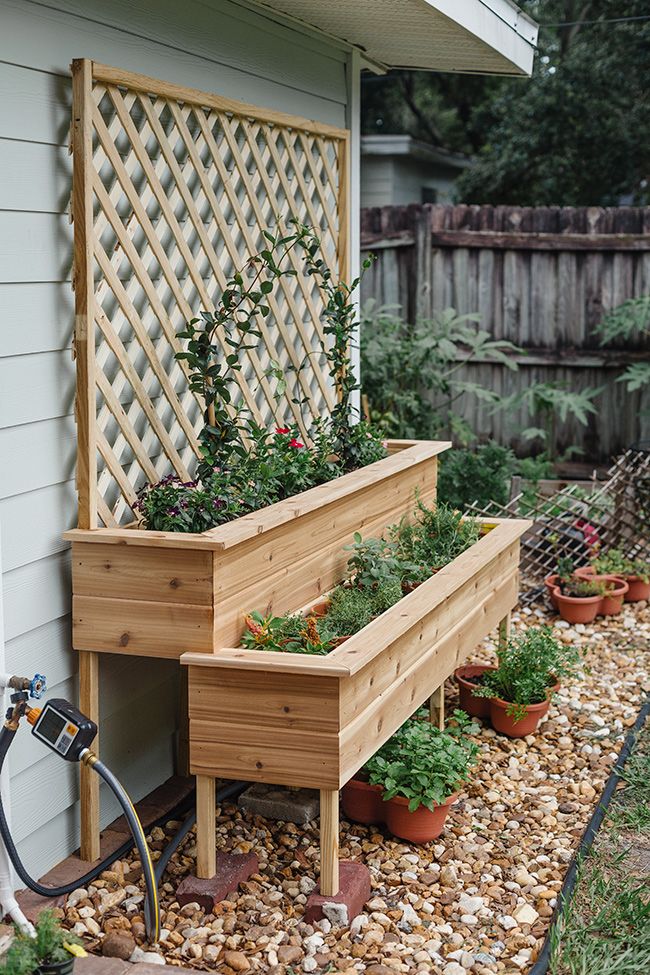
x=214, y=45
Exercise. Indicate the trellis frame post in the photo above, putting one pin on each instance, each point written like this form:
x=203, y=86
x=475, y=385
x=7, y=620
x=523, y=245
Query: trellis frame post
x=85, y=408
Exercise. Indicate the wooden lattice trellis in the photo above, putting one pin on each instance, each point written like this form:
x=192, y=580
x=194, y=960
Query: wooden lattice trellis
x=172, y=190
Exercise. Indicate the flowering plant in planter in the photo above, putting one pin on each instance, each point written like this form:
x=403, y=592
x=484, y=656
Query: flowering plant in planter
x=288, y=634
x=243, y=466
x=528, y=669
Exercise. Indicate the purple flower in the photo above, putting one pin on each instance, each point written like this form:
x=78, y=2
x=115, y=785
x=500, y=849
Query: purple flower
x=173, y=511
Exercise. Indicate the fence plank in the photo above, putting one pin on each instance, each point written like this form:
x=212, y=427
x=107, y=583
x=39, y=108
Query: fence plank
x=541, y=277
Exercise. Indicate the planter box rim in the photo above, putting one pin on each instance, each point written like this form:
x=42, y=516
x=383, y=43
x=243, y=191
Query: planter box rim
x=347, y=659
x=405, y=454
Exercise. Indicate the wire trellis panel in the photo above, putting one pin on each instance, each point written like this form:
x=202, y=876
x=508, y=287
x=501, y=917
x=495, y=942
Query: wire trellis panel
x=172, y=192
x=569, y=523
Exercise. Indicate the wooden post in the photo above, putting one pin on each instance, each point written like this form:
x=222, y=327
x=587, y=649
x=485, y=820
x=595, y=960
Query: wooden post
x=329, y=842
x=183, y=746
x=505, y=627
x=206, y=834
x=89, y=780
x=437, y=707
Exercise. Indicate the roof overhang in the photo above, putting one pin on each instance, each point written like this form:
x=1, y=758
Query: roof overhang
x=469, y=36
x=407, y=146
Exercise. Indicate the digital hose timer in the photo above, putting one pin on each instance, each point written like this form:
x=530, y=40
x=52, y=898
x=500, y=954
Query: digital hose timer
x=64, y=729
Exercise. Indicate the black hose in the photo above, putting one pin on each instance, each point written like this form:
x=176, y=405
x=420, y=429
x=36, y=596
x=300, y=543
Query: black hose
x=6, y=738
x=227, y=792
x=544, y=958
x=151, y=908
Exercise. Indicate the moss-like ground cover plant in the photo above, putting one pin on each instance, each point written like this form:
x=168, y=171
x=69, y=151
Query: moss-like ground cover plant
x=528, y=667
x=423, y=764
x=380, y=570
x=245, y=467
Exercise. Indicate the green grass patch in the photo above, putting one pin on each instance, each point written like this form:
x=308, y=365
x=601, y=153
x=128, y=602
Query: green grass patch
x=605, y=930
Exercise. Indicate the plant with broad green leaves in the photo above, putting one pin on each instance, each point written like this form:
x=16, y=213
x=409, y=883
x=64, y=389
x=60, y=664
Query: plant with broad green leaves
x=423, y=764
x=528, y=667
x=373, y=561
x=628, y=322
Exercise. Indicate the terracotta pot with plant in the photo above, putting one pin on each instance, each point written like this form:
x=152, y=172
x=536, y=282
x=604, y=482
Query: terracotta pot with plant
x=636, y=572
x=577, y=598
x=468, y=678
x=420, y=770
x=520, y=688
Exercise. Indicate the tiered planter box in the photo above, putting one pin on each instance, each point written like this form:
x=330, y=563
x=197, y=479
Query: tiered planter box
x=162, y=594
x=313, y=721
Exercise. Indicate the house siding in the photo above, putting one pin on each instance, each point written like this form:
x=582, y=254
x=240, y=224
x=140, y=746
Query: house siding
x=216, y=46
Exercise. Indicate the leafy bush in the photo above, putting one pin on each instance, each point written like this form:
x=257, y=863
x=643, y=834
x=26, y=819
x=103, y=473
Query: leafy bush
x=527, y=668
x=410, y=371
x=625, y=323
x=476, y=476
x=422, y=763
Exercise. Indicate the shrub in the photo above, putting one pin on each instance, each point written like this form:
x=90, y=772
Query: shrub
x=527, y=667
x=476, y=476
x=422, y=763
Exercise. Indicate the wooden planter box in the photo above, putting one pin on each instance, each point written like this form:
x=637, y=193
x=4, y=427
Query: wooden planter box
x=313, y=721
x=160, y=594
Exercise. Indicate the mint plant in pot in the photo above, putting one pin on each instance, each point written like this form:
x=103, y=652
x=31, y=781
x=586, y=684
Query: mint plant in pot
x=417, y=773
x=529, y=670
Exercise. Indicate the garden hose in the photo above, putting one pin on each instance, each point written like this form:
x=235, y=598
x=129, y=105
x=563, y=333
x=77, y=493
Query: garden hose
x=152, y=913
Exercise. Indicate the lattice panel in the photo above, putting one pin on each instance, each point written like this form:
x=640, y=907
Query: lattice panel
x=172, y=191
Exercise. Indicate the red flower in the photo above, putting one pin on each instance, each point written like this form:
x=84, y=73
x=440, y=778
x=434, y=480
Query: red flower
x=295, y=443
x=282, y=430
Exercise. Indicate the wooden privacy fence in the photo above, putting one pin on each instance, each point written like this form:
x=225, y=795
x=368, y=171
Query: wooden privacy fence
x=539, y=277
x=172, y=191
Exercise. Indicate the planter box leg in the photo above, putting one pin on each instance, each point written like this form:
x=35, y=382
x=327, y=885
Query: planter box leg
x=329, y=842
x=504, y=632
x=89, y=780
x=183, y=745
x=437, y=707
x=206, y=836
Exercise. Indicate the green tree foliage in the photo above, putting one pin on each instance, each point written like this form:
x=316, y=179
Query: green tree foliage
x=576, y=134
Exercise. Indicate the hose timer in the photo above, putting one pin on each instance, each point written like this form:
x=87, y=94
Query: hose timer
x=63, y=728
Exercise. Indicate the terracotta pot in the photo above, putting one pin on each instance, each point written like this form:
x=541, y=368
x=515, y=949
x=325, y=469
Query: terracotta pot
x=419, y=826
x=585, y=572
x=320, y=609
x=577, y=609
x=477, y=707
x=517, y=729
x=612, y=602
x=637, y=589
x=551, y=582
x=363, y=802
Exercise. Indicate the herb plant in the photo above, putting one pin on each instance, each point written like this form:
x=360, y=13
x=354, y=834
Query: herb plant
x=288, y=634
x=27, y=953
x=527, y=668
x=613, y=562
x=435, y=538
x=422, y=763
x=373, y=561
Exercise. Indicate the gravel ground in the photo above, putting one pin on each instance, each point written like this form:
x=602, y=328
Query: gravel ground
x=478, y=899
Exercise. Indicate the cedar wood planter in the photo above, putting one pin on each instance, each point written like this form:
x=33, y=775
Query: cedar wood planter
x=161, y=594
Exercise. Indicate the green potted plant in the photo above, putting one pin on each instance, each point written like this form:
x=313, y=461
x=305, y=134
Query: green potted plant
x=578, y=599
x=412, y=781
x=635, y=572
x=50, y=952
x=469, y=677
x=520, y=687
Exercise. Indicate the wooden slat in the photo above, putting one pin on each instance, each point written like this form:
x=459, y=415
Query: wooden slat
x=329, y=842
x=88, y=779
x=84, y=334
x=541, y=242
x=154, y=86
x=158, y=575
x=139, y=627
